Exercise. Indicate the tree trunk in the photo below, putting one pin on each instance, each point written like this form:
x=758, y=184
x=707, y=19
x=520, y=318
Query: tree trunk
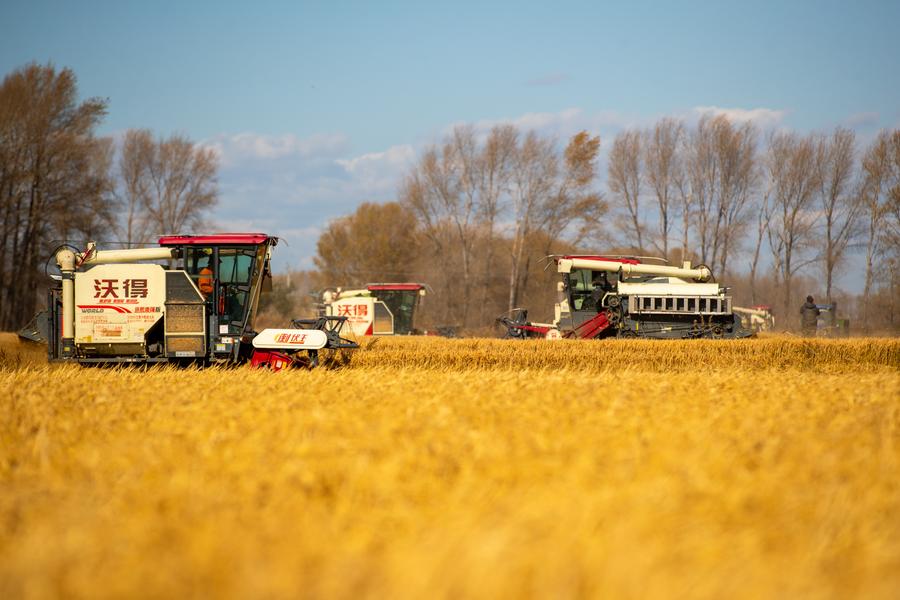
x=867, y=289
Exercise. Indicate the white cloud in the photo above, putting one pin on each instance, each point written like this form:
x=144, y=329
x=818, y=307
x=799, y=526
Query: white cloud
x=395, y=155
x=562, y=124
x=862, y=120
x=380, y=172
x=232, y=149
x=764, y=117
x=291, y=187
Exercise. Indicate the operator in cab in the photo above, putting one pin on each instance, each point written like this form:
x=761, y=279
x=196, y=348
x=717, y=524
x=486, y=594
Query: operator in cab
x=205, y=280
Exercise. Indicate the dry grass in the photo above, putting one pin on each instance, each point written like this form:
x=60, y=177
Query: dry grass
x=16, y=353
x=472, y=468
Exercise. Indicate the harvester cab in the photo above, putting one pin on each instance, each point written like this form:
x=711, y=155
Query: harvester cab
x=376, y=308
x=192, y=299
x=601, y=296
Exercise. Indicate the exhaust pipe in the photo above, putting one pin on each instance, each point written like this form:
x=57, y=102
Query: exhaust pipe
x=66, y=260
x=700, y=273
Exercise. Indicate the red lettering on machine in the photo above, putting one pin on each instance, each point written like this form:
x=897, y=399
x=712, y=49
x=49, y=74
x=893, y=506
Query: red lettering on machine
x=130, y=288
x=290, y=338
x=353, y=310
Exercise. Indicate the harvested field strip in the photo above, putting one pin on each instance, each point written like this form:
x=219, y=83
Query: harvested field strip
x=831, y=356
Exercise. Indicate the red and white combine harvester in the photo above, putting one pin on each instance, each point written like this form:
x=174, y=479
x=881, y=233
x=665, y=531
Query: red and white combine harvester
x=600, y=297
x=193, y=299
x=376, y=308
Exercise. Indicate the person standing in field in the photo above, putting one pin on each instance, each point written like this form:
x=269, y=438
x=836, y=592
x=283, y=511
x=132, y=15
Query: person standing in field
x=809, y=316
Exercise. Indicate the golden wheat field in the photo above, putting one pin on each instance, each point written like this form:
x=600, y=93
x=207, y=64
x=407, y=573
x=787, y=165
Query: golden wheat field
x=431, y=468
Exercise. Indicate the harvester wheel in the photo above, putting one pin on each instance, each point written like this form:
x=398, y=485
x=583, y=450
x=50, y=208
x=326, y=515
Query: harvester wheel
x=718, y=332
x=613, y=301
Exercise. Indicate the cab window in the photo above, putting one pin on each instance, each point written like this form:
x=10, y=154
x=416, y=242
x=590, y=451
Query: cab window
x=235, y=266
x=580, y=289
x=198, y=265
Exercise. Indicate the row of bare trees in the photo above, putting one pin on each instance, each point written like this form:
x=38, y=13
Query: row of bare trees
x=476, y=213
x=62, y=183
x=790, y=202
x=474, y=189
x=479, y=210
x=162, y=186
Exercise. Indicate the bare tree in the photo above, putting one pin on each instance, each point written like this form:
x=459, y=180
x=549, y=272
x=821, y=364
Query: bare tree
x=436, y=192
x=876, y=166
x=180, y=184
x=624, y=180
x=793, y=181
x=53, y=178
x=762, y=212
x=460, y=191
x=535, y=169
x=722, y=175
x=133, y=186
x=570, y=204
x=575, y=202
x=892, y=233
x=701, y=167
x=662, y=164
x=486, y=172
x=737, y=184
x=839, y=202
x=892, y=236
x=685, y=197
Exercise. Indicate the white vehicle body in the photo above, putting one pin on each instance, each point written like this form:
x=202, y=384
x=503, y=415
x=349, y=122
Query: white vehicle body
x=118, y=304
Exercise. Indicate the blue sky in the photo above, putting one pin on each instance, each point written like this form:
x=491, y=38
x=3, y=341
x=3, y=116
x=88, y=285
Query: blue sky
x=316, y=107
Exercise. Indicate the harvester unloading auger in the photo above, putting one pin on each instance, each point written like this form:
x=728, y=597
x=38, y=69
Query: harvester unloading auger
x=602, y=297
x=114, y=306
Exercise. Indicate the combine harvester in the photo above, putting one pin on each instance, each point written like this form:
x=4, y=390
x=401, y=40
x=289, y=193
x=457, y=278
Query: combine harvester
x=603, y=297
x=117, y=306
x=379, y=309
